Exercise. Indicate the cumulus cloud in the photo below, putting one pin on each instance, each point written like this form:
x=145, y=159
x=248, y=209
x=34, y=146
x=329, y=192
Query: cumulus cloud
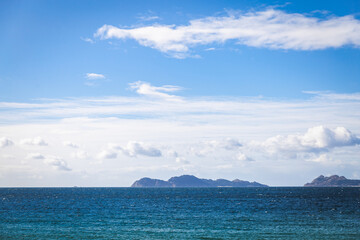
x=134, y=149
x=242, y=157
x=204, y=148
x=271, y=28
x=107, y=154
x=93, y=76
x=5, y=142
x=147, y=89
x=228, y=144
x=37, y=141
x=57, y=163
x=316, y=139
x=70, y=144
x=35, y=156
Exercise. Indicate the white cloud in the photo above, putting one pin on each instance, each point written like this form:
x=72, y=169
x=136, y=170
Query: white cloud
x=335, y=96
x=37, y=141
x=172, y=153
x=242, y=157
x=134, y=149
x=35, y=156
x=270, y=28
x=182, y=160
x=89, y=40
x=94, y=76
x=107, y=154
x=322, y=158
x=208, y=147
x=57, y=163
x=229, y=144
x=5, y=142
x=70, y=144
x=149, y=18
x=80, y=154
x=212, y=124
x=316, y=139
x=147, y=89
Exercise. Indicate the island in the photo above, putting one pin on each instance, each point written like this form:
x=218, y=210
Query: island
x=192, y=181
x=333, y=181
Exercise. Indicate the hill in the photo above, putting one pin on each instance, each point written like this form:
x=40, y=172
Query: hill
x=333, y=181
x=192, y=181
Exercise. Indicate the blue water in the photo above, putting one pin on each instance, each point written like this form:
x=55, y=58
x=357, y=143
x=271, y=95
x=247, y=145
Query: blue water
x=187, y=213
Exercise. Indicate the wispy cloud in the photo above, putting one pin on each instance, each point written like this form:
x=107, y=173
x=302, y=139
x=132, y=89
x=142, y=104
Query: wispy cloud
x=335, y=96
x=147, y=89
x=93, y=79
x=271, y=28
x=35, y=156
x=148, y=18
x=93, y=76
x=89, y=40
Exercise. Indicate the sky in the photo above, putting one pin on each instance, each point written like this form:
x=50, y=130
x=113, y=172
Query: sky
x=102, y=93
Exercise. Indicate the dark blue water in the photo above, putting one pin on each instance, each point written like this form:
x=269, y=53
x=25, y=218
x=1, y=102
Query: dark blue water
x=207, y=213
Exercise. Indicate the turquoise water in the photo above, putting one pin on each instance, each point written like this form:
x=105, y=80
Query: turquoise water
x=184, y=213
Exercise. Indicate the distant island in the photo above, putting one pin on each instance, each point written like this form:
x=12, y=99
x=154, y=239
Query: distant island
x=192, y=181
x=333, y=181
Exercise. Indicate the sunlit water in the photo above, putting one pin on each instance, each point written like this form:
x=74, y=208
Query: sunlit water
x=180, y=213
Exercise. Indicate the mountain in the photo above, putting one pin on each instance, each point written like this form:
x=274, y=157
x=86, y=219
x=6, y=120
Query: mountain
x=192, y=181
x=333, y=181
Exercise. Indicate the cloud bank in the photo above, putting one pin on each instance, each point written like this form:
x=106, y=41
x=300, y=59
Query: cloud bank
x=316, y=139
x=271, y=28
x=252, y=137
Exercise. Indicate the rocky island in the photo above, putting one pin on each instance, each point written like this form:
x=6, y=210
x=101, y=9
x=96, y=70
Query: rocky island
x=192, y=181
x=333, y=181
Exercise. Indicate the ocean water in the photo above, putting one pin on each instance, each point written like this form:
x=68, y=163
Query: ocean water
x=180, y=213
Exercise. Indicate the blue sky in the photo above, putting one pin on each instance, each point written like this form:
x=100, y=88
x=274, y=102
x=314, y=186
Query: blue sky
x=43, y=54
x=161, y=88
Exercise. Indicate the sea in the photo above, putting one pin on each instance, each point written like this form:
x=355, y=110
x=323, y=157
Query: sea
x=180, y=213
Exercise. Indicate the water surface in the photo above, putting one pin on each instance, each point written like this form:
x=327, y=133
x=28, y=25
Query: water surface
x=180, y=213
